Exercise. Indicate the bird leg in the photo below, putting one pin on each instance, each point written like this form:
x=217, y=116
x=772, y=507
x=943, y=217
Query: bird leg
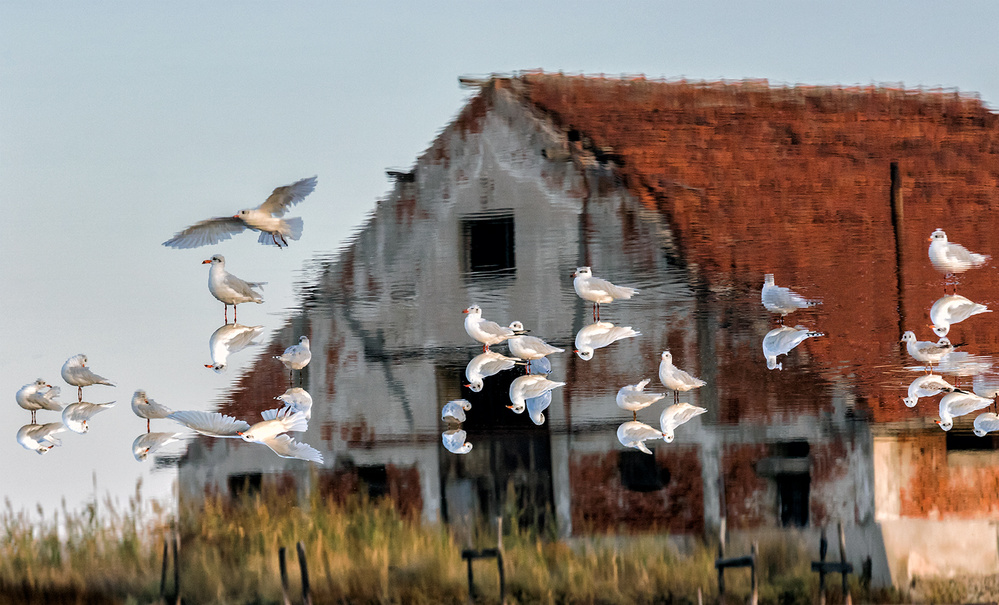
x=225, y=311
x=634, y=415
x=485, y=348
x=234, y=315
x=283, y=240
x=79, y=394
x=147, y=425
x=33, y=417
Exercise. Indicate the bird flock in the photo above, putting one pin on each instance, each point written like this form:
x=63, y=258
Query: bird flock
x=296, y=409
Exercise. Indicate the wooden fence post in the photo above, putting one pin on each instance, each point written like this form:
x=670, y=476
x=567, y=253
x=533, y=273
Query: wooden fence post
x=306, y=591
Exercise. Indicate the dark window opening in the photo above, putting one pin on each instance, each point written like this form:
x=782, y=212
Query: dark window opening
x=375, y=478
x=971, y=442
x=244, y=484
x=641, y=473
x=489, y=244
x=792, y=499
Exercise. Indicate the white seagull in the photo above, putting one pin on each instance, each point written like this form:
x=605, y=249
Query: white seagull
x=529, y=347
x=454, y=441
x=957, y=404
x=782, y=300
x=633, y=397
x=598, y=335
x=926, y=385
x=527, y=387
x=144, y=407
x=455, y=410
x=296, y=399
x=40, y=437
x=925, y=351
x=952, y=309
x=38, y=395
x=269, y=432
x=986, y=423
x=780, y=341
x=597, y=290
x=211, y=424
x=76, y=373
x=951, y=258
x=675, y=415
x=227, y=340
x=487, y=332
x=76, y=416
x=634, y=433
x=485, y=365
x=674, y=378
x=296, y=357
x=148, y=443
x=265, y=218
x=229, y=289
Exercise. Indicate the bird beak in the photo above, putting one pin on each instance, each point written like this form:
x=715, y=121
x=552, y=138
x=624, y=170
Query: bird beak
x=240, y=433
x=235, y=216
x=206, y=262
x=465, y=311
x=929, y=239
x=467, y=386
x=209, y=366
x=575, y=350
x=509, y=407
x=937, y=421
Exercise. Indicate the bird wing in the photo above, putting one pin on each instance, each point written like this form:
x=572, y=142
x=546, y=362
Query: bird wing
x=242, y=338
x=286, y=447
x=212, y=424
x=597, y=285
x=633, y=431
x=207, y=232
x=241, y=287
x=494, y=329
x=677, y=414
x=283, y=198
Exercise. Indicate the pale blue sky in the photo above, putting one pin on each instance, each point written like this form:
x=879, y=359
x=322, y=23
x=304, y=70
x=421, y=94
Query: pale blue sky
x=122, y=122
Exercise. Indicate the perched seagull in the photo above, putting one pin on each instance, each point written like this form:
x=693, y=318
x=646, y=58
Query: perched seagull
x=76, y=373
x=598, y=335
x=454, y=441
x=296, y=399
x=952, y=258
x=529, y=347
x=925, y=351
x=780, y=341
x=76, y=416
x=676, y=379
x=148, y=443
x=783, y=300
x=229, y=289
x=633, y=397
x=537, y=405
x=957, y=404
x=38, y=395
x=485, y=365
x=144, y=407
x=487, y=332
x=926, y=385
x=264, y=218
x=634, y=433
x=227, y=340
x=269, y=432
x=211, y=424
x=675, y=415
x=986, y=423
x=296, y=357
x=455, y=410
x=598, y=290
x=528, y=387
x=40, y=437
x=952, y=309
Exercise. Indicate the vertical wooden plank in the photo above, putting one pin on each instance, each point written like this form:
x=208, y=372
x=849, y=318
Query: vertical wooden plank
x=304, y=568
x=283, y=567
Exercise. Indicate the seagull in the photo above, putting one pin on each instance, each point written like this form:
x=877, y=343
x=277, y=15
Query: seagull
x=454, y=441
x=780, y=341
x=597, y=290
x=455, y=410
x=633, y=397
x=211, y=424
x=675, y=415
x=598, y=335
x=227, y=340
x=984, y=423
x=529, y=347
x=269, y=432
x=145, y=407
x=40, y=437
x=634, y=434
x=927, y=352
x=229, y=289
x=487, y=332
x=264, y=218
x=957, y=404
x=148, y=443
x=952, y=309
x=296, y=357
x=76, y=416
x=926, y=385
x=950, y=258
x=485, y=365
x=38, y=395
x=676, y=379
x=296, y=399
x=527, y=387
x=76, y=373
x=783, y=300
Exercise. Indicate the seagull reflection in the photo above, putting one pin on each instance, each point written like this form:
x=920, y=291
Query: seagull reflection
x=527, y=387
x=529, y=347
x=144, y=407
x=455, y=409
x=230, y=339
x=598, y=335
x=926, y=385
x=675, y=379
x=961, y=363
x=269, y=432
x=149, y=443
x=780, y=341
x=782, y=300
x=484, y=365
x=634, y=434
x=537, y=405
x=76, y=373
x=296, y=357
x=296, y=399
x=211, y=424
x=38, y=395
x=77, y=416
x=633, y=397
x=454, y=441
x=986, y=385
x=40, y=437
x=675, y=415
x=986, y=423
x=952, y=309
x=957, y=404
